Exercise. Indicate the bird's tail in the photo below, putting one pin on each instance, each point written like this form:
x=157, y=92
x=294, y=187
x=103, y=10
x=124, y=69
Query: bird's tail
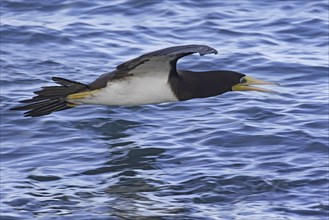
x=51, y=98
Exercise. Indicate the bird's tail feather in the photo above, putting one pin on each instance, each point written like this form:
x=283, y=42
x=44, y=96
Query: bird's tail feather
x=51, y=98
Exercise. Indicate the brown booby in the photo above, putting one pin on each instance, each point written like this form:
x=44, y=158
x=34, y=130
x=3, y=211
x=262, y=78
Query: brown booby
x=148, y=79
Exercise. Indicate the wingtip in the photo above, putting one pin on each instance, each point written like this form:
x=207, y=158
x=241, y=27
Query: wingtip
x=208, y=50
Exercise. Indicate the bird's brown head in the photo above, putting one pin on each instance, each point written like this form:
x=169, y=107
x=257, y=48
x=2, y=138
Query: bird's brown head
x=212, y=83
x=235, y=81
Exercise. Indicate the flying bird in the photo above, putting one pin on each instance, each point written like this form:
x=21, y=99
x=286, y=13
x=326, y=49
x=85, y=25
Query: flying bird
x=148, y=79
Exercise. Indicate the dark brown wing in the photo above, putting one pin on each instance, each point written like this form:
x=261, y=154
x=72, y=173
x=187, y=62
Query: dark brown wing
x=169, y=55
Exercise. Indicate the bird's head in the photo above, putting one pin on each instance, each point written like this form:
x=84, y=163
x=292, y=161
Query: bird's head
x=213, y=83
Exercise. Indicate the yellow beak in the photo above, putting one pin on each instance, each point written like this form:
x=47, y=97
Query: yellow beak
x=246, y=81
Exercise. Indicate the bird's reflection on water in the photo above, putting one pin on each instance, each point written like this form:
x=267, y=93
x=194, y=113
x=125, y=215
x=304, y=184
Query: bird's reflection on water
x=133, y=166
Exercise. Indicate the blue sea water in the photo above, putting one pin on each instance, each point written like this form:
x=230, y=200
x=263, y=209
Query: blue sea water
x=237, y=156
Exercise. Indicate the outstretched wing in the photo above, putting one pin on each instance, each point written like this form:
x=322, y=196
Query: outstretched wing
x=167, y=56
x=156, y=62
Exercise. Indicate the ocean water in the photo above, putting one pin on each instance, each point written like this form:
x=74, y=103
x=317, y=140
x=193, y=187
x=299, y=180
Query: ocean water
x=237, y=156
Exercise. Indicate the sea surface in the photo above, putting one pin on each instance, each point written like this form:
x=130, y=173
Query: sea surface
x=237, y=156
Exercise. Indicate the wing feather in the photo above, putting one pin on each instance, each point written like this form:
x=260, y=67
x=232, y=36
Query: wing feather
x=169, y=54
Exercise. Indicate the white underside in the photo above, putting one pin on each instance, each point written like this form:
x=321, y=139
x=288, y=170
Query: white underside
x=138, y=89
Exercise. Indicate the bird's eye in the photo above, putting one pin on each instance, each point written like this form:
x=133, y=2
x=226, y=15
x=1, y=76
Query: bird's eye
x=243, y=80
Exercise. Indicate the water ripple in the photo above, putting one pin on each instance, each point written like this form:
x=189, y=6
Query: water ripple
x=235, y=156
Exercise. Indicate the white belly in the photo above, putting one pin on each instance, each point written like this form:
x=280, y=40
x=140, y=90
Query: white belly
x=135, y=90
